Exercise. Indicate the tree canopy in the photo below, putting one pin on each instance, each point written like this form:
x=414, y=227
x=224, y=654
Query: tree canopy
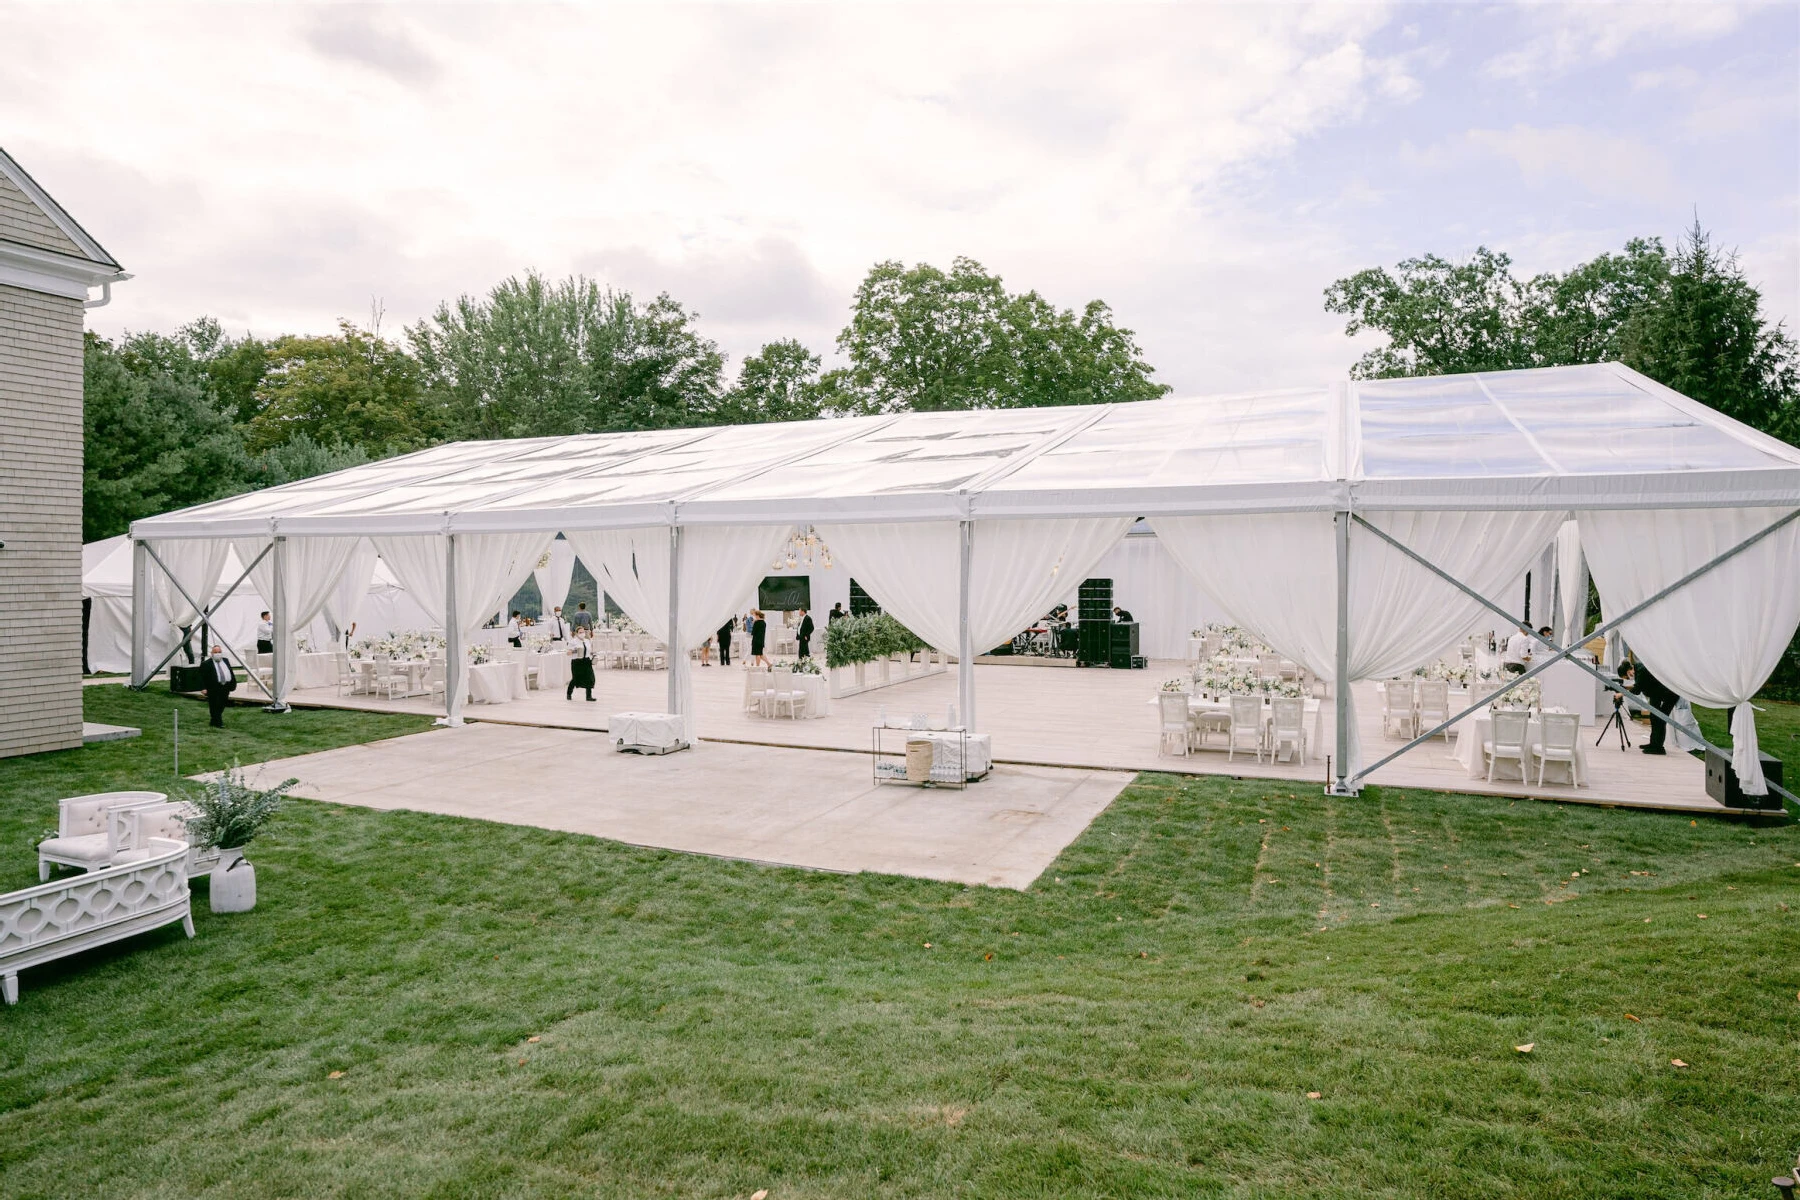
x=925, y=339
x=1688, y=318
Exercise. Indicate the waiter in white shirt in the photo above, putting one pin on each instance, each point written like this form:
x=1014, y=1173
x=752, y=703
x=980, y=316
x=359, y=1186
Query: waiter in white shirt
x=265, y=635
x=512, y=630
x=558, y=628
x=1517, y=653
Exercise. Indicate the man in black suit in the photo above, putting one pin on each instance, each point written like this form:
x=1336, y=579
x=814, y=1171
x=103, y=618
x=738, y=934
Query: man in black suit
x=725, y=641
x=221, y=681
x=1657, y=695
x=1121, y=616
x=805, y=635
x=837, y=610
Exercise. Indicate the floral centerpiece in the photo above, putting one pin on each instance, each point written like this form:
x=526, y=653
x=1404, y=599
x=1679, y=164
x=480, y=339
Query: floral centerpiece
x=302, y=643
x=478, y=655
x=1232, y=640
x=1223, y=678
x=1529, y=694
x=1458, y=673
x=806, y=666
x=1175, y=685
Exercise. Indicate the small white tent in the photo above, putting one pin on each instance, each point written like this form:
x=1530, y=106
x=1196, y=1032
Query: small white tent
x=106, y=580
x=385, y=607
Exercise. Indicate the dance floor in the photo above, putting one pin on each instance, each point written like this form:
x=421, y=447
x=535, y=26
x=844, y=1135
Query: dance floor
x=802, y=808
x=1089, y=719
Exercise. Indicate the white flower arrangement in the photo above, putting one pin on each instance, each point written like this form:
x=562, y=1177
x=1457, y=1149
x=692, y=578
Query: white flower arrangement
x=477, y=655
x=1175, y=685
x=1233, y=641
x=1529, y=694
x=806, y=666
x=302, y=643
x=1458, y=673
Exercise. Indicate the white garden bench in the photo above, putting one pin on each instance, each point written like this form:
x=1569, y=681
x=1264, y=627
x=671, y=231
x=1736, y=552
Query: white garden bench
x=86, y=835
x=54, y=920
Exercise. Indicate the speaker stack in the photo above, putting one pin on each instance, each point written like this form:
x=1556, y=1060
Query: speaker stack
x=1094, y=605
x=1122, y=649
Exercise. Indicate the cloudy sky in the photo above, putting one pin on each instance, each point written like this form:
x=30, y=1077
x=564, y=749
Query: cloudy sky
x=1206, y=169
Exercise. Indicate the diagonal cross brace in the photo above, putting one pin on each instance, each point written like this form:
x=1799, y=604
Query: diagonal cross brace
x=1565, y=652
x=205, y=611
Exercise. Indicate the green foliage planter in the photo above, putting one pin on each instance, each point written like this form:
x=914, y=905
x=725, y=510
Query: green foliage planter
x=852, y=640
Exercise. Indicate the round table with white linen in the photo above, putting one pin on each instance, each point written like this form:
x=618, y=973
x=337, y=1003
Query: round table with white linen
x=1474, y=732
x=497, y=682
x=316, y=669
x=815, y=688
x=552, y=670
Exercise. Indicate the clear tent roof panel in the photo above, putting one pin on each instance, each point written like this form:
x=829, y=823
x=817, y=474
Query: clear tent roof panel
x=1583, y=436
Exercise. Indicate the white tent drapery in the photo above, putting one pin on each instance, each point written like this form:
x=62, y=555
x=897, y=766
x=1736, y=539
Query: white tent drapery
x=718, y=564
x=554, y=573
x=489, y=567
x=312, y=570
x=1717, y=640
x=1400, y=614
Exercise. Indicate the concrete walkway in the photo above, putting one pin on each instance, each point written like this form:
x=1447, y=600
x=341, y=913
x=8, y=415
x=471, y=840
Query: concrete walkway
x=804, y=808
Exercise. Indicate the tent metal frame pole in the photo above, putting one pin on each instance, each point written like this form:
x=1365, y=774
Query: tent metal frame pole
x=675, y=643
x=205, y=611
x=1341, y=785
x=1567, y=652
x=140, y=615
x=965, y=648
x=278, y=673
x=455, y=671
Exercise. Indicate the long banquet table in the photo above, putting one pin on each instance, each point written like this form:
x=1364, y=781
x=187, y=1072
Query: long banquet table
x=1474, y=732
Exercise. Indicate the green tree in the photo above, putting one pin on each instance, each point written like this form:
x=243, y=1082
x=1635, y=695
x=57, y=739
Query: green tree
x=1690, y=320
x=535, y=358
x=355, y=388
x=780, y=382
x=925, y=339
x=154, y=438
x=1705, y=336
x=300, y=457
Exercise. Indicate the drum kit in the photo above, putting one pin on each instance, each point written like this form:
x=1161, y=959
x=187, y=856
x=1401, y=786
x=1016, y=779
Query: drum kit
x=1052, y=637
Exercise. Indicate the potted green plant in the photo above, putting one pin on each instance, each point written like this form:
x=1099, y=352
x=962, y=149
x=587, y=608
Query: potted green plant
x=228, y=812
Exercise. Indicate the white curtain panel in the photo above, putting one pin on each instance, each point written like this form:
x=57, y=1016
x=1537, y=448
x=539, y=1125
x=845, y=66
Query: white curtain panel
x=1275, y=575
x=344, y=607
x=1571, y=573
x=197, y=563
x=1018, y=570
x=1717, y=640
x=720, y=565
x=417, y=561
x=489, y=569
x=554, y=572
x=314, y=567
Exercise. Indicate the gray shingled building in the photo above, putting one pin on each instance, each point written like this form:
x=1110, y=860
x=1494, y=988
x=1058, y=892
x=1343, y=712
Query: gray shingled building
x=48, y=265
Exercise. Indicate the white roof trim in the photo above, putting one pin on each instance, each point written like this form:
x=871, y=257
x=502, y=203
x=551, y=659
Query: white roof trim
x=59, y=216
x=36, y=270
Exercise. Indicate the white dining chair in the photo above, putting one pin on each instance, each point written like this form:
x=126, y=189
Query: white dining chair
x=1434, y=705
x=1288, y=727
x=1208, y=722
x=1246, y=723
x=1268, y=666
x=757, y=691
x=434, y=677
x=1397, y=708
x=349, y=679
x=1172, y=707
x=1507, y=740
x=1558, y=744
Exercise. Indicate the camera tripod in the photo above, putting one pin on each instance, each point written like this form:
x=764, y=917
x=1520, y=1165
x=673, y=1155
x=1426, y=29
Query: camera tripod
x=1616, y=721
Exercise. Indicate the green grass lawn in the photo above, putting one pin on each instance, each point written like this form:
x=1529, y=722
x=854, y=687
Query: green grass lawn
x=525, y=1013
x=1777, y=731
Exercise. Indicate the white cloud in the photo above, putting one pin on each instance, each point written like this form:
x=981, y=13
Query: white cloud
x=281, y=166
x=1602, y=164
x=1567, y=37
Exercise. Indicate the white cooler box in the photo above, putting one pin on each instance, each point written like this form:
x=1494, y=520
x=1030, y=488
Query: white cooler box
x=645, y=732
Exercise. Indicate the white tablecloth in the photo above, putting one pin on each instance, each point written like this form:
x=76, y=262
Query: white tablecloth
x=1474, y=732
x=1196, y=649
x=413, y=669
x=818, y=692
x=947, y=747
x=552, y=670
x=497, y=682
x=1313, y=709
x=652, y=731
x=316, y=670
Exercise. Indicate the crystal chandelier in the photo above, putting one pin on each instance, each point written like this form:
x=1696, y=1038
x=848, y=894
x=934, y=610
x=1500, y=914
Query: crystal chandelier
x=803, y=549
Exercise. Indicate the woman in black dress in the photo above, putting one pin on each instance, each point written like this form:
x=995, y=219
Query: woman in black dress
x=759, y=629
x=581, y=664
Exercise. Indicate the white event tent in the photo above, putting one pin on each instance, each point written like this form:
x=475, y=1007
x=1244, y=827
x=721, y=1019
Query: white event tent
x=1359, y=528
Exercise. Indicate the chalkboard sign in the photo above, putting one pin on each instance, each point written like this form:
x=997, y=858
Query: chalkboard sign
x=784, y=593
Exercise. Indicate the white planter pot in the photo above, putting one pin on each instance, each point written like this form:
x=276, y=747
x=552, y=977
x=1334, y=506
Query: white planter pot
x=233, y=883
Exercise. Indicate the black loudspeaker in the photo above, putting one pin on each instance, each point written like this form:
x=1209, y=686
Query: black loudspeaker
x=1094, y=600
x=1722, y=783
x=1124, y=637
x=1093, y=642
x=187, y=679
